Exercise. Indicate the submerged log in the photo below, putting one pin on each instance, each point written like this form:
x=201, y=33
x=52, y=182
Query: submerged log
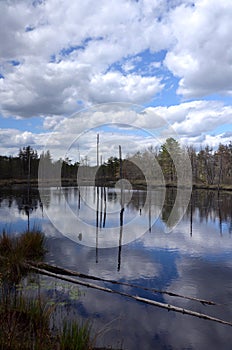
x=66, y=272
x=168, y=307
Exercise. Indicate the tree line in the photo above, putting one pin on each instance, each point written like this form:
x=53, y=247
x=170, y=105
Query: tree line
x=25, y=166
x=209, y=167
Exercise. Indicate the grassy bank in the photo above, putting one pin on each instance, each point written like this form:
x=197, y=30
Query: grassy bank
x=25, y=321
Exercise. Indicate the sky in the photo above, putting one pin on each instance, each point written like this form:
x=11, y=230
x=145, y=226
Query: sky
x=61, y=61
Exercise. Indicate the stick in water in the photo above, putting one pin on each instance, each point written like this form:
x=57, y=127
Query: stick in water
x=141, y=299
x=62, y=271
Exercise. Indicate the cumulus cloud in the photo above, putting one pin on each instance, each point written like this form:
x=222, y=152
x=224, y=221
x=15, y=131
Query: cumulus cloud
x=132, y=127
x=192, y=120
x=116, y=87
x=48, y=67
x=201, y=56
x=56, y=53
x=57, y=57
x=13, y=139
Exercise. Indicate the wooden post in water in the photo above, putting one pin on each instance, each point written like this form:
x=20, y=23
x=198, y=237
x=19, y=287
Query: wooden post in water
x=79, y=199
x=149, y=210
x=219, y=212
x=97, y=150
x=104, y=217
x=101, y=207
x=121, y=211
x=97, y=211
x=120, y=239
x=191, y=215
x=120, y=161
x=97, y=224
x=28, y=191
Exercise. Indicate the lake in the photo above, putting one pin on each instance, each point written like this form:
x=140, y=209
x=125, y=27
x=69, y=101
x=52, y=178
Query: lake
x=142, y=238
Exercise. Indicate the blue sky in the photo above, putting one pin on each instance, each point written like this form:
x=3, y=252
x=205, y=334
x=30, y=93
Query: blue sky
x=172, y=57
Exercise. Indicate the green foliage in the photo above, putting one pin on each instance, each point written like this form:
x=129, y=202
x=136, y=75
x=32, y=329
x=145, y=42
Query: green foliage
x=76, y=337
x=16, y=250
x=32, y=244
x=170, y=151
x=209, y=167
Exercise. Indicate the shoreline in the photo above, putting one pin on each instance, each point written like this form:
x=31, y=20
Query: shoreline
x=23, y=183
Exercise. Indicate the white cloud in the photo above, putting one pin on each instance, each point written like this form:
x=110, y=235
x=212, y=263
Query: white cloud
x=13, y=139
x=51, y=122
x=201, y=56
x=24, y=138
x=57, y=57
x=82, y=41
x=194, y=119
x=122, y=124
x=113, y=86
x=89, y=39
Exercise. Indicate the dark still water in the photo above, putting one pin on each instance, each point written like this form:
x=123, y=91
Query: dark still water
x=148, y=241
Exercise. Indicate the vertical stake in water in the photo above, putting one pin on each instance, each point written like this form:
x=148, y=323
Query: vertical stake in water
x=120, y=161
x=97, y=150
x=191, y=215
x=28, y=191
x=121, y=211
x=101, y=207
x=97, y=211
x=104, y=217
x=97, y=224
x=79, y=156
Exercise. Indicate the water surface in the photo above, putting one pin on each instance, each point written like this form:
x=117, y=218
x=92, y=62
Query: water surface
x=194, y=259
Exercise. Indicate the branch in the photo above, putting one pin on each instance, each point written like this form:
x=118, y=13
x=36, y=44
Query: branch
x=137, y=298
x=65, y=272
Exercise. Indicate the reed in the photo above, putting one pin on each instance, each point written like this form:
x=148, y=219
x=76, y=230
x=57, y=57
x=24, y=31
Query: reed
x=25, y=321
x=76, y=336
x=16, y=250
x=25, y=324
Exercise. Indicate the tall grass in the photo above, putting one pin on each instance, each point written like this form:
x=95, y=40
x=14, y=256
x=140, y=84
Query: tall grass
x=16, y=250
x=76, y=337
x=25, y=322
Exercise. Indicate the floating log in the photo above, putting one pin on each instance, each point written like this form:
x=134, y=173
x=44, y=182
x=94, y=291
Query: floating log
x=134, y=297
x=65, y=272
